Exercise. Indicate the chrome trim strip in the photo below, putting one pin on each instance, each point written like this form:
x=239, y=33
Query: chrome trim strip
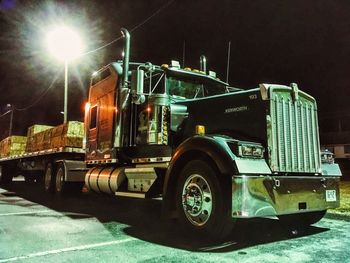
x=151, y=160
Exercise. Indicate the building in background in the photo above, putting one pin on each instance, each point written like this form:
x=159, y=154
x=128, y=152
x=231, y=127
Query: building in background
x=335, y=137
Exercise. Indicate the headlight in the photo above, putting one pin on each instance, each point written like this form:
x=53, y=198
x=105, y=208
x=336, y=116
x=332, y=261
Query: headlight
x=327, y=157
x=248, y=150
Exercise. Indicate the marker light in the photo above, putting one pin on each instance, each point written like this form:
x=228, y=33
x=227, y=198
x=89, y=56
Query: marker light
x=87, y=106
x=200, y=129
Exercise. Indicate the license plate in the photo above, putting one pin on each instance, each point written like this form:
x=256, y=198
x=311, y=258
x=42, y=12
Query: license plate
x=331, y=195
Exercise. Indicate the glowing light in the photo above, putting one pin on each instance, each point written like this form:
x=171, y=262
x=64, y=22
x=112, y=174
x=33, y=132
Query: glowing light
x=64, y=43
x=87, y=106
x=148, y=109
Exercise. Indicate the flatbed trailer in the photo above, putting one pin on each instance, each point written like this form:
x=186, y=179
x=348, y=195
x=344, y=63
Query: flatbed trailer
x=59, y=168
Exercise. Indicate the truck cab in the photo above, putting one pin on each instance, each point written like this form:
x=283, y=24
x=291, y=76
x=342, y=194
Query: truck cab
x=212, y=152
x=156, y=124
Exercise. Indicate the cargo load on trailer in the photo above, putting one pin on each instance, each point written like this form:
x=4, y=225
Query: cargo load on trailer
x=44, y=137
x=13, y=146
x=69, y=134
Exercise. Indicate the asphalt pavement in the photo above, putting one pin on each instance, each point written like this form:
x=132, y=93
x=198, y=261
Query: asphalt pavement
x=38, y=227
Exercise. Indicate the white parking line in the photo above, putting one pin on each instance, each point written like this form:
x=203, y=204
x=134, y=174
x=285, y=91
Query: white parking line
x=26, y=213
x=69, y=249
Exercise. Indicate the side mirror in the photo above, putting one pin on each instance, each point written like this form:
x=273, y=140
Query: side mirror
x=137, y=80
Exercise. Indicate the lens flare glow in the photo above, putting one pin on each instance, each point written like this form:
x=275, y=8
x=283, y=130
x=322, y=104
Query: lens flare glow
x=64, y=43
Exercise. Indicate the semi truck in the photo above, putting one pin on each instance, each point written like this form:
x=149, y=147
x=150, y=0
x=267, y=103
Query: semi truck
x=211, y=152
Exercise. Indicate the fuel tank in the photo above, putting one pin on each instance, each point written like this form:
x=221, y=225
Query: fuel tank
x=105, y=179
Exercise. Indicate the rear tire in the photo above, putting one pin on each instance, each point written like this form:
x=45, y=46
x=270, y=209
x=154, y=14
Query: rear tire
x=61, y=184
x=49, y=178
x=203, y=201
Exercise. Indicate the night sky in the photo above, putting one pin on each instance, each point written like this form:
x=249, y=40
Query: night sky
x=307, y=42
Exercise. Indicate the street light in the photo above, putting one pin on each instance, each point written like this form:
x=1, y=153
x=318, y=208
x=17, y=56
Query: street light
x=64, y=44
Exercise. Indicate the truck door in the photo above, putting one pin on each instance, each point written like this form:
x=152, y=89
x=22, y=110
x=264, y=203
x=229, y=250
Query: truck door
x=91, y=130
x=101, y=115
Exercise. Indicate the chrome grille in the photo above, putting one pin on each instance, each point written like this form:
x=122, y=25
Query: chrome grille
x=293, y=137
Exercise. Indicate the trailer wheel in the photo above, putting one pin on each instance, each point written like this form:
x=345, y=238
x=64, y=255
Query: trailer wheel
x=49, y=178
x=203, y=201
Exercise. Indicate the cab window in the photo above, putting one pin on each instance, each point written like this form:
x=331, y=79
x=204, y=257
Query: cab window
x=93, y=117
x=100, y=76
x=191, y=89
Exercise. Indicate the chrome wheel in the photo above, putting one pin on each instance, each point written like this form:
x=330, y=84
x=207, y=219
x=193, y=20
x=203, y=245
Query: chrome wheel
x=197, y=200
x=203, y=200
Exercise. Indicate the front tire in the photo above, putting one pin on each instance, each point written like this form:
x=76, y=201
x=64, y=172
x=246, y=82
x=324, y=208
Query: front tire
x=203, y=200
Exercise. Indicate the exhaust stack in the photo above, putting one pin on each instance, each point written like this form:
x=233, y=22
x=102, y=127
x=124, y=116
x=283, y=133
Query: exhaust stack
x=126, y=57
x=120, y=132
x=203, y=64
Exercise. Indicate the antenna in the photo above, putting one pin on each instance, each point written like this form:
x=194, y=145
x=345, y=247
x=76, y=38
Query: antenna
x=228, y=60
x=203, y=64
x=183, y=53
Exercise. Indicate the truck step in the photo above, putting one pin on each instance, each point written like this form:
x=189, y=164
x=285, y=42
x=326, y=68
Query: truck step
x=131, y=194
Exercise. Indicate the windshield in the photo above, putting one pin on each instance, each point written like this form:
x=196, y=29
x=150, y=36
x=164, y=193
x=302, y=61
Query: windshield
x=191, y=89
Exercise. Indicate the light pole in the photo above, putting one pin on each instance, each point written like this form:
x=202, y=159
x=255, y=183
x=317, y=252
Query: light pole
x=10, y=108
x=65, y=44
x=11, y=122
x=65, y=108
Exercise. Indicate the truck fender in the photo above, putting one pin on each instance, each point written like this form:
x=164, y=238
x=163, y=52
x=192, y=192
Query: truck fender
x=211, y=148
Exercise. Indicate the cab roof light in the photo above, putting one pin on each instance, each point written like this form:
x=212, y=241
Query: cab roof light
x=212, y=74
x=175, y=64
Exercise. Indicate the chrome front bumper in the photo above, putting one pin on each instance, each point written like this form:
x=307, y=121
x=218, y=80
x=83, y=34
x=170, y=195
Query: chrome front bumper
x=263, y=196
